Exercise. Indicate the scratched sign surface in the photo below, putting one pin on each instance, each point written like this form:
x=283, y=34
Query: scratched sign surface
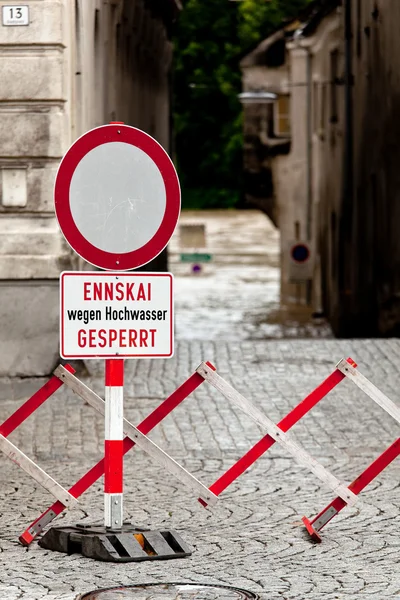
x=117, y=197
x=111, y=192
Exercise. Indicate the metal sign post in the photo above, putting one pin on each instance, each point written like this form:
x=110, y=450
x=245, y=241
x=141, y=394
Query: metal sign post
x=117, y=201
x=113, y=444
x=115, y=316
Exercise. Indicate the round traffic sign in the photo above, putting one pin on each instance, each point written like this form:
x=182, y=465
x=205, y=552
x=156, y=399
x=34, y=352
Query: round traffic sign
x=300, y=253
x=117, y=197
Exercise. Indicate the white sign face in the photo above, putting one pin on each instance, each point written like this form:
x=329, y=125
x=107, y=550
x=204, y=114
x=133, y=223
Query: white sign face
x=117, y=197
x=15, y=15
x=116, y=315
x=112, y=190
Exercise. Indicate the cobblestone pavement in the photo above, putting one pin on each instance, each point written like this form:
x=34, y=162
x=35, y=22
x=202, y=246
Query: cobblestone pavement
x=253, y=538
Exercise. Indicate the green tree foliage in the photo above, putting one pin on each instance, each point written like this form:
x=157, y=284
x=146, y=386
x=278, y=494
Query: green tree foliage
x=211, y=37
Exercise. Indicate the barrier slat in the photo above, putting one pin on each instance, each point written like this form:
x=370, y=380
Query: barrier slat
x=370, y=389
x=285, y=424
x=138, y=437
x=23, y=461
x=298, y=453
x=38, y=398
x=372, y=471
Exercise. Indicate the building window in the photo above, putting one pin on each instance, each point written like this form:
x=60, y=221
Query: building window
x=282, y=116
x=334, y=78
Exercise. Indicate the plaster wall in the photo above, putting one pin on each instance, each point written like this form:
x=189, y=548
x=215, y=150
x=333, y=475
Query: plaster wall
x=77, y=65
x=276, y=80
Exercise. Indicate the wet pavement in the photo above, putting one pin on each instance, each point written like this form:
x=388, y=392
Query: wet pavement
x=236, y=296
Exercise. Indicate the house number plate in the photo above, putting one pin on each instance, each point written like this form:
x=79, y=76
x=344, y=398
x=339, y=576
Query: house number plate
x=15, y=15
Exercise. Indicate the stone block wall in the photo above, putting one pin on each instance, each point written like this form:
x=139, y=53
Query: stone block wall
x=77, y=65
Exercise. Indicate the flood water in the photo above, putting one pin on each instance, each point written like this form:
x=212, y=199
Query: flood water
x=236, y=295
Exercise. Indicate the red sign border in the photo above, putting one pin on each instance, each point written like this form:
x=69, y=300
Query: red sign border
x=303, y=245
x=82, y=146
x=119, y=274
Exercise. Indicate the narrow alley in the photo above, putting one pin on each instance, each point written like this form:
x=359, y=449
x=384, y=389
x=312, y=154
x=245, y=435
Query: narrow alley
x=236, y=295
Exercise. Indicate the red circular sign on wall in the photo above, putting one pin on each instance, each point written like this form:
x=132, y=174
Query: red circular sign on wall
x=300, y=253
x=117, y=197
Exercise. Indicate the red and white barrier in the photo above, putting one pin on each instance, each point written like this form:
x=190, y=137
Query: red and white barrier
x=64, y=497
x=315, y=525
x=116, y=447
x=98, y=470
x=285, y=424
x=277, y=434
x=345, y=368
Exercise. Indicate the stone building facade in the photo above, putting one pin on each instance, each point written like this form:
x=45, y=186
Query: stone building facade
x=76, y=65
x=295, y=142
x=334, y=181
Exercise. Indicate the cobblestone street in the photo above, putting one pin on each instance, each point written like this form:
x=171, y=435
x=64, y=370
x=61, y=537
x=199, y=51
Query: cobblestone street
x=253, y=538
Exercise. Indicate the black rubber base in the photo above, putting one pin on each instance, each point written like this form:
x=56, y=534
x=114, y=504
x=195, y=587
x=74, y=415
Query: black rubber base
x=129, y=544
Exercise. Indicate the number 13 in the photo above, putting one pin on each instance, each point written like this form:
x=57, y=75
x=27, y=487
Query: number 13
x=18, y=13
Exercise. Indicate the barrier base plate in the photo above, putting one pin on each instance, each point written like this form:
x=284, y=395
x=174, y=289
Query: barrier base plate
x=128, y=544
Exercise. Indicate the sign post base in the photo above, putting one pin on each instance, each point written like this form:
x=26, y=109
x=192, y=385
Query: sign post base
x=129, y=544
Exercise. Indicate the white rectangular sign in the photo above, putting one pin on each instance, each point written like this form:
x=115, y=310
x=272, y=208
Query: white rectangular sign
x=15, y=15
x=114, y=315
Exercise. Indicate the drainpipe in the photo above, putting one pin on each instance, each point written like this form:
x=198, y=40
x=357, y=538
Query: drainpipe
x=309, y=146
x=300, y=40
x=309, y=133
x=346, y=215
x=309, y=164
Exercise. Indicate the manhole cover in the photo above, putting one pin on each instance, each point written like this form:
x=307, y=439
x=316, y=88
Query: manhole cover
x=171, y=591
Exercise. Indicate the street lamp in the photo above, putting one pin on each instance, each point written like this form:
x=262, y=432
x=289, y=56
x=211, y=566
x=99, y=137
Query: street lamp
x=257, y=97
